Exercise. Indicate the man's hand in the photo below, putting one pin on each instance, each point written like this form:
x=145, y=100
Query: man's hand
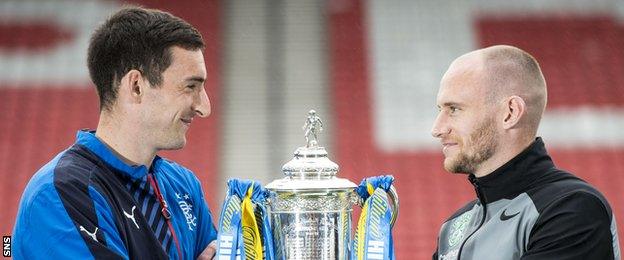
x=209, y=252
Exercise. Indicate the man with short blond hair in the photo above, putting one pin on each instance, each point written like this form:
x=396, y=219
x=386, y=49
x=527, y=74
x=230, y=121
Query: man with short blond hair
x=490, y=104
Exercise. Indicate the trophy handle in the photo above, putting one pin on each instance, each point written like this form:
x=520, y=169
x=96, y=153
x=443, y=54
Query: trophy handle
x=394, y=197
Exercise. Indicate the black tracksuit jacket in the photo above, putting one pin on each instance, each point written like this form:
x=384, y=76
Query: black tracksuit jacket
x=529, y=209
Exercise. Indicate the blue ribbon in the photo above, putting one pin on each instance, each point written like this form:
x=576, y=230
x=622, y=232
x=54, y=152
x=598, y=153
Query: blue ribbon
x=373, y=239
x=229, y=239
x=229, y=242
x=382, y=181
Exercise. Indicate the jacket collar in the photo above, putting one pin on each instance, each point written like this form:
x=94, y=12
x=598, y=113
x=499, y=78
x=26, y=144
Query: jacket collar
x=92, y=143
x=517, y=175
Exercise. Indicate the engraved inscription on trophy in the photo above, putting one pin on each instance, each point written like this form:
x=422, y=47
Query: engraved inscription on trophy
x=312, y=238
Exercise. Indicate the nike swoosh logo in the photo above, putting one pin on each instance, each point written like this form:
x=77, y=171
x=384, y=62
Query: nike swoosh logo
x=504, y=216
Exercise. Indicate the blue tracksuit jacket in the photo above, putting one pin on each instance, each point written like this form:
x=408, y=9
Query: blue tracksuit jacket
x=73, y=208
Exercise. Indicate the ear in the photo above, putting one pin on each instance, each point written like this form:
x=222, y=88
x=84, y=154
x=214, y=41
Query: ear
x=133, y=86
x=515, y=108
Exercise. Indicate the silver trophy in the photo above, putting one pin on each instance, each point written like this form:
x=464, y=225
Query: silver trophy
x=310, y=208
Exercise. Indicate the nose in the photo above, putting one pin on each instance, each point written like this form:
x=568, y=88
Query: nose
x=440, y=126
x=201, y=104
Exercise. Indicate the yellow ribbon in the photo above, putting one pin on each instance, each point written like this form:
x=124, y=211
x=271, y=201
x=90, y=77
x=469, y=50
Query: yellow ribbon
x=360, y=234
x=251, y=233
x=370, y=188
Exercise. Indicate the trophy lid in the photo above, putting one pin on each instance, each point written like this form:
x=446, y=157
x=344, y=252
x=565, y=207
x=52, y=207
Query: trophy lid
x=310, y=168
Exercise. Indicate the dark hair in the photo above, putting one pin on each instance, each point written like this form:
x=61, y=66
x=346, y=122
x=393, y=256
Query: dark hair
x=136, y=38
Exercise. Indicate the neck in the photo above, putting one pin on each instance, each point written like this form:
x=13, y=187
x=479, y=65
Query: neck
x=124, y=140
x=505, y=152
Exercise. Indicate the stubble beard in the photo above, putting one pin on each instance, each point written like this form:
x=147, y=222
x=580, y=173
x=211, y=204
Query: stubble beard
x=172, y=139
x=484, y=144
x=177, y=141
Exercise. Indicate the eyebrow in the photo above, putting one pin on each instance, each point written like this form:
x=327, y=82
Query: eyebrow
x=448, y=104
x=196, y=78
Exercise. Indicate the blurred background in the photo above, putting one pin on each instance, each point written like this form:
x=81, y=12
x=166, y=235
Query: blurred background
x=369, y=68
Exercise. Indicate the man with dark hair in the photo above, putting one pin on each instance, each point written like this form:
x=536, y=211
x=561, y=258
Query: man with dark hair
x=110, y=195
x=491, y=102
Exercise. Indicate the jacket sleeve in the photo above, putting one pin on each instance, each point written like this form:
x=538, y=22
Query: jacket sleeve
x=577, y=226
x=57, y=223
x=206, y=229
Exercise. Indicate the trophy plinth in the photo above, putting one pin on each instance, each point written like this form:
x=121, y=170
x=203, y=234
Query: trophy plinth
x=310, y=208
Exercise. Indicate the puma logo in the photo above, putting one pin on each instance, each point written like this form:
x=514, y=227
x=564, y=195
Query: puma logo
x=92, y=235
x=131, y=216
